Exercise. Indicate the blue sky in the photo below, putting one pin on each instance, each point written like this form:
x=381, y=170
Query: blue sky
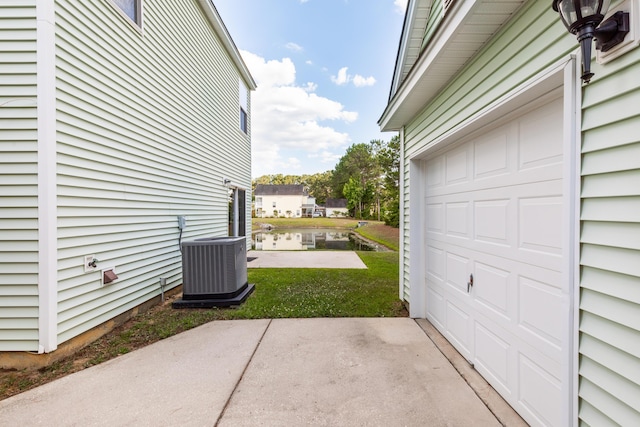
x=323, y=69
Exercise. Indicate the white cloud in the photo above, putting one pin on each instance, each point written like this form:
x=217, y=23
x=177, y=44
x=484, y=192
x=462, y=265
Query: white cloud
x=401, y=6
x=288, y=118
x=294, y=47
x=310, y=87
x=342, y=78
x=358, y=81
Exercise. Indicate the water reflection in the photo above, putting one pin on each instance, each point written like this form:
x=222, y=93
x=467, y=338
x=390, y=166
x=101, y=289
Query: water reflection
x=309, y=239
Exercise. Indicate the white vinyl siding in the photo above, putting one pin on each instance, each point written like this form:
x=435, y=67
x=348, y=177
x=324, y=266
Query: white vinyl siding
x=610, y=246
x=147, y=128
x=18, y=178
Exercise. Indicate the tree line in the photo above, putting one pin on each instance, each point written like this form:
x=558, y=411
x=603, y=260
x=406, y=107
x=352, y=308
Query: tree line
x=367, y=176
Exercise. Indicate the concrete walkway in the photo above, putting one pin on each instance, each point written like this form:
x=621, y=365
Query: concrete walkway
x=285, y=372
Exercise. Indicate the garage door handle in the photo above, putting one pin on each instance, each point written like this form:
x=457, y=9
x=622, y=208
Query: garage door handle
x=470, y=283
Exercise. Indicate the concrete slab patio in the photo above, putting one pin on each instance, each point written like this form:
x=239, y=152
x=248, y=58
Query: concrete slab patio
x=304, y=259
x=284, y=372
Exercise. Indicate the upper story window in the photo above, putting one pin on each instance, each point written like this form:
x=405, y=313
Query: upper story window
x=243, y=95
x=131, y=8
x=243, y=121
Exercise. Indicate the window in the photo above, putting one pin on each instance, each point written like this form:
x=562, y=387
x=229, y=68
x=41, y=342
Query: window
x=243, y=96
x=274, y=204
x=243, y=121
x=131, y=8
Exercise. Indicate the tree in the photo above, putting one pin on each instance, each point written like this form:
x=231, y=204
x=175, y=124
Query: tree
x=358, y=164
x=388, y=157
x=354, y=192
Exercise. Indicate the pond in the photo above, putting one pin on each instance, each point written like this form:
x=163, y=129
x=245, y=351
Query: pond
x=304, y=239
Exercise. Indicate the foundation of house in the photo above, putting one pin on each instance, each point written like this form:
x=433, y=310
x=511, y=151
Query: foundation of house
x=18, y=360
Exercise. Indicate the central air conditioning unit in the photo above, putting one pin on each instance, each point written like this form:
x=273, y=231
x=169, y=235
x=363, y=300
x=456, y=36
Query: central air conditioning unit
x=214, y=273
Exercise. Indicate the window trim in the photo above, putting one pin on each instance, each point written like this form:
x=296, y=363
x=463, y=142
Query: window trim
x=244, y=119
x=138, y=5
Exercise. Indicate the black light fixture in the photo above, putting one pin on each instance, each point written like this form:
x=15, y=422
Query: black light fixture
x=582, y=17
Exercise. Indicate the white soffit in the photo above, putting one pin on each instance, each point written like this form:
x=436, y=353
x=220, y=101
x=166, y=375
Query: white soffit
x=413, y=31
x=469, y=24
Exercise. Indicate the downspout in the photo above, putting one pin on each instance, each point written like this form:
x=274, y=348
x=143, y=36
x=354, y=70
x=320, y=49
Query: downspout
x=47, y=200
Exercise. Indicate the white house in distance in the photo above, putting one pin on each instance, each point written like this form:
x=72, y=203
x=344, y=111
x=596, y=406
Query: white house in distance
x=336, y=208
x=116, y=120
x=520, y=205
x=290, y=201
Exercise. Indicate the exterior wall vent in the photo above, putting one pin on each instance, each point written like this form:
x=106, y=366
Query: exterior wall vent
x=214, y=272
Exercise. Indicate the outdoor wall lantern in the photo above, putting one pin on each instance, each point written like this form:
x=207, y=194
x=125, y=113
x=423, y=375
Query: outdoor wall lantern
x=582, y=17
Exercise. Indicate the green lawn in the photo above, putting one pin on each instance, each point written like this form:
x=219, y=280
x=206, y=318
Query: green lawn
x=303, y=292
x=305, y=222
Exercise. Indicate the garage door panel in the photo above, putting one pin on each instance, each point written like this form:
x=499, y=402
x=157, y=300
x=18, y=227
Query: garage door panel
x=435, y=263
x=538, y=138
x=435, y=217
x=541, y=224
x=491, y=221
x=435, y=173
x=436, y=307
x=458, y=166
x=496, y=296
x=458, y=269
x=491, y=155
x=493, y=358
x=459, y=326
x=540, y=392
x=540, y=309
x=458, y=220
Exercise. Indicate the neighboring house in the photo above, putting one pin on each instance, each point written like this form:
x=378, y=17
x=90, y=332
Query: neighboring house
x=116, y=118
x=290, y=201
x=336, y=207
x=520, y=206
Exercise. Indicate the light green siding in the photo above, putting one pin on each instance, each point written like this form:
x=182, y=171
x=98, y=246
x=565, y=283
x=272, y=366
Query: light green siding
x=18, y=178
x=609, y=383
x=610, y=246
x=147, y=127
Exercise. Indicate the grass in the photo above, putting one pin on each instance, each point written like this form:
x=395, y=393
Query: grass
x=297, y=293
x=280, y=293
x=321, y=222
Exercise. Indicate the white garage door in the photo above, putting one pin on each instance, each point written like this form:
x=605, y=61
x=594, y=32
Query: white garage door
x=494, y=211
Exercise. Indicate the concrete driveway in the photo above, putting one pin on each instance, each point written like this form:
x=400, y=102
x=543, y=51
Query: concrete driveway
x=285, y=372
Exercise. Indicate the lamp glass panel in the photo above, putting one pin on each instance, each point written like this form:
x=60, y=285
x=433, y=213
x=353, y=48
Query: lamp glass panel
x=588, y=7
x=568, y=11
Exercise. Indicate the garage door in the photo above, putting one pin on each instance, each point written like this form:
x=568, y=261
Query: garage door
x=494, y=258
